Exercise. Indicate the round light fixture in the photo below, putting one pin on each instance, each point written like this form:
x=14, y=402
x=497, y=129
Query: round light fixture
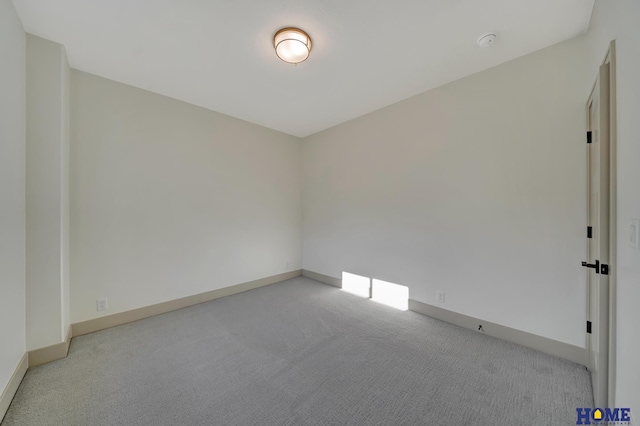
x=292, y=45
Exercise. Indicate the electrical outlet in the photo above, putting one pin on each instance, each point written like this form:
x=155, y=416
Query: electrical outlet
x=102, y=304
x=480, y=329
x=440, y=296
x=286, y=266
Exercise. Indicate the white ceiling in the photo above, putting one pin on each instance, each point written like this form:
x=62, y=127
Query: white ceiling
x=366, y=53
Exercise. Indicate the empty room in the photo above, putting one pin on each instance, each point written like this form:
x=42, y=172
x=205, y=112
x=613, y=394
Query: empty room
x=266, y=212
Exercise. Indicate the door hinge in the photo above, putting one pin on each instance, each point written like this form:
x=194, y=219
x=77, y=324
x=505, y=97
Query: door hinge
x=589, y=136
x=604, y=269
x=589, y=232
x=589, y=327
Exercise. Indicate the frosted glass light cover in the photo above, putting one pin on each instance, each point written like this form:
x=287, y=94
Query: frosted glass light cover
x=292, y=45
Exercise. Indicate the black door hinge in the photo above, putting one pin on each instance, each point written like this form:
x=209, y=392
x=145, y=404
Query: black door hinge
x=604, y=269
x=589, y=232
x=589, y=136
x=589, y=327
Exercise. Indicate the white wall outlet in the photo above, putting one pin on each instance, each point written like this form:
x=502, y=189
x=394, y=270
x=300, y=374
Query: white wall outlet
x=440, y=296
x=634, y=234
x=286, y=266
x=102, y=304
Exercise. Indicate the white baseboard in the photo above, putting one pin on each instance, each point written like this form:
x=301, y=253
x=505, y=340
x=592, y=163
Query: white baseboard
x=326, y=279
x=109, y=321
x=60, y=350
x=51, y=353
x=12, y=387
x=542, y=344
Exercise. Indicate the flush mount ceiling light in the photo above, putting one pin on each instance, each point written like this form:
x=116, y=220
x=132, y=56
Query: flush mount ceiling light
x=292, y=45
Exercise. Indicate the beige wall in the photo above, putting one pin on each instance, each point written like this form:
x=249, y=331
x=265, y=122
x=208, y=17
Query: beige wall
x=47, y=193
x=170, y=200
x=65, y=195
x=12, y=198
x=475, y=189
x=619, y=20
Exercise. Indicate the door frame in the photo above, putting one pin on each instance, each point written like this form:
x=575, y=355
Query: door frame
x=598, y=181
x=610, y=59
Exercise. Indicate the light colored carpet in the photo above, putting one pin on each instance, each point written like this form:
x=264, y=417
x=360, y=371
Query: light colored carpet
x=298, y=353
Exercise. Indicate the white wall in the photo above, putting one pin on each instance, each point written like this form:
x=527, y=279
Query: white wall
x=47, y=192
x=65, y=219
x=619, y=20
x=12, y=184
x=475, y=188
x=169, y=199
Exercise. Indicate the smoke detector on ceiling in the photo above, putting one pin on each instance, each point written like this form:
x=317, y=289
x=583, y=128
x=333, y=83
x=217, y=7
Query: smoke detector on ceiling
x=486, y=40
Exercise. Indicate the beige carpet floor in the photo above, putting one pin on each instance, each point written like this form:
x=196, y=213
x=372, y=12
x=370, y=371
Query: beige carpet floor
x=298, y=353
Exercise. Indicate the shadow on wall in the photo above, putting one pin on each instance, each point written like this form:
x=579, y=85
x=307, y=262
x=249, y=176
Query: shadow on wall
x=386, y=293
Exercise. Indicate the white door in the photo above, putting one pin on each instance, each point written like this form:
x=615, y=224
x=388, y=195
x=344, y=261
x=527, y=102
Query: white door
x=598, y=237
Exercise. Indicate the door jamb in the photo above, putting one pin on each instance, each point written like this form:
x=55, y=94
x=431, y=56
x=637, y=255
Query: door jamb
x=610, y=58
